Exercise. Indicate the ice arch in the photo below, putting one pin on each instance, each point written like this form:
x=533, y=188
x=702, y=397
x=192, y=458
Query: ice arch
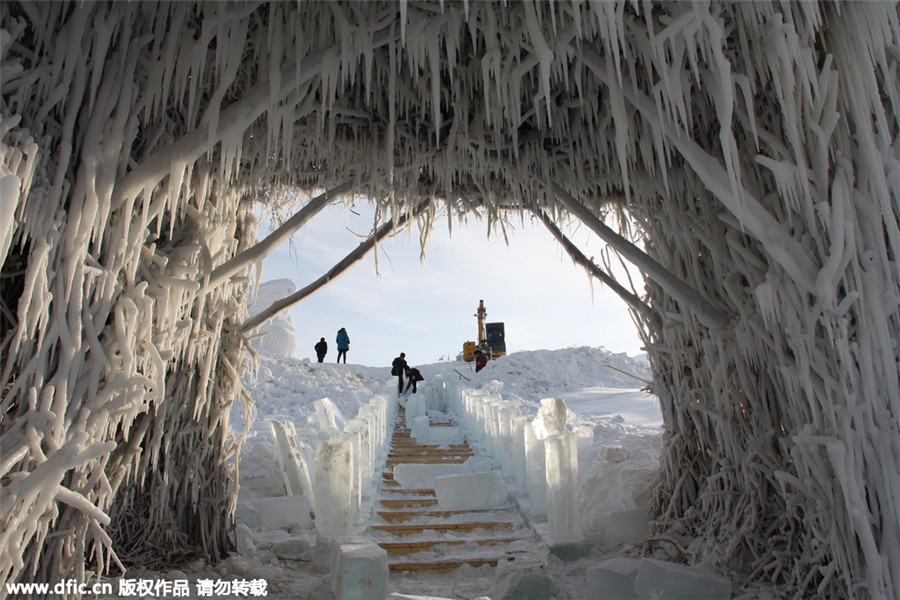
x=756, y=144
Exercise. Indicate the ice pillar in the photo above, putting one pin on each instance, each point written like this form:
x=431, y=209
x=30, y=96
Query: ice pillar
x=507, y=415
x=297, y=481
x=334, y=488
x=520, y=472
x=535, y=463
x=563, y=494
x=357, y=433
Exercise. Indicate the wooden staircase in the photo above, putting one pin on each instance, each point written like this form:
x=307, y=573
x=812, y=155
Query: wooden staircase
x=421, y=537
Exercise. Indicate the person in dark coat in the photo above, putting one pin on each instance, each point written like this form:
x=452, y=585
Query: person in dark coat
x=321, y=349
x=398, y=367
x=414, y=376
x=343, y=344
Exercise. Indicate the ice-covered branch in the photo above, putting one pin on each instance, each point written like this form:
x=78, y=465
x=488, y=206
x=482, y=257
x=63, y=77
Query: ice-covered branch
x=358, y=253
x=234, y=120
x=748, y=210
x=690, y=298
x=282, y=234
x=578, y=257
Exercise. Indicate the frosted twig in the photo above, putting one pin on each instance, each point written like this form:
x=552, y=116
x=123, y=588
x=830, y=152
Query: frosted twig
x=712, y=317
x=351, y=258
x=578, y=257
x=284, y=232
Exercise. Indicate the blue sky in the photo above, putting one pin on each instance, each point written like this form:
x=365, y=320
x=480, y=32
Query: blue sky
x=426, y=308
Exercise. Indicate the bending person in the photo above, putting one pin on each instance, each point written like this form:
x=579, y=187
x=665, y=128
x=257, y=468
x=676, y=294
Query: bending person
x=414, y=376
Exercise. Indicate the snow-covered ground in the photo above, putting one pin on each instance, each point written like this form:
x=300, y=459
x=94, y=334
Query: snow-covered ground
x=617, y=425
x=615, y=471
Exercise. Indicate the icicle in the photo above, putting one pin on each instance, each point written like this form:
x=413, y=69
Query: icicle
x=543, y=52
x=623, y=134
x=434, y=61
x=403, y=19
x=9, y=200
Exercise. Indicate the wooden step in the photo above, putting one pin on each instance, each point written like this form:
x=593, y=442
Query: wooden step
x=410, y=529
x=402, y=548
x=425, y=453
x=421, y=453
x=429, y=456
x=412, y=492
x=408, y=502
x=398, y=516
x=441, y=566
x=457, y=447
x=427, y=460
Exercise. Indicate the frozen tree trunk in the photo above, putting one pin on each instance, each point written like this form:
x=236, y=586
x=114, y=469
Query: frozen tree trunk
x=120, y=365
x=781, y=433
x=119, y=370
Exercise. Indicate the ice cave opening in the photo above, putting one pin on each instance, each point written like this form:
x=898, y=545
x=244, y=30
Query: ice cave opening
x=754, y=144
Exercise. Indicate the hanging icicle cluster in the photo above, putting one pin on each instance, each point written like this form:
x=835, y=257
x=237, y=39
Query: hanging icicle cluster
x=754, y=144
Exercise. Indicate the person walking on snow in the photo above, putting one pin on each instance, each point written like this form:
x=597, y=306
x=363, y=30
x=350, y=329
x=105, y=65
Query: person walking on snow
x=398, y=367
x=413, y=375
x=343, y=344
x=321, y=349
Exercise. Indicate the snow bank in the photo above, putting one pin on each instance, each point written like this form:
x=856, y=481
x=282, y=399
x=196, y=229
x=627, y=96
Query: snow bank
x=539, y=374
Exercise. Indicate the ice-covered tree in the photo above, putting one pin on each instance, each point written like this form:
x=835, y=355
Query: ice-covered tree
x=755, y=147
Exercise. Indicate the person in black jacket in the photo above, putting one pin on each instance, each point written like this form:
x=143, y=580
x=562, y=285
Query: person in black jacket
x=398, y=367
x=321, y=349
x=414, y=376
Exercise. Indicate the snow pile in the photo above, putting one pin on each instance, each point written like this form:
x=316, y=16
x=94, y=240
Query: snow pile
x=278, y=333
x=287, y=388
x=537, y=374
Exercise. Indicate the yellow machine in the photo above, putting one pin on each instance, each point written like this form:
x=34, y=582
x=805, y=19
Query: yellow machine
x=491, y=337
